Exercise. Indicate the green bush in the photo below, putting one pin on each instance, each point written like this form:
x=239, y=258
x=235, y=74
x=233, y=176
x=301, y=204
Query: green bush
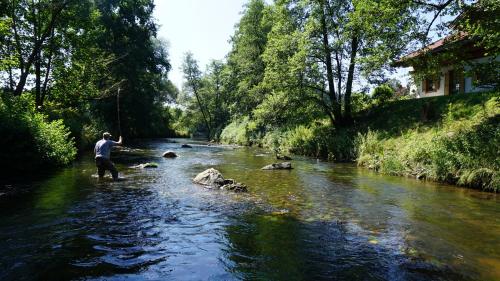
x=301, y=140
x=382, y=94
x=237, y=132
x=370, y=150
x=29, y=141
x=273, y=140
x=360, y=102
x=317, y=140
x=91, y=133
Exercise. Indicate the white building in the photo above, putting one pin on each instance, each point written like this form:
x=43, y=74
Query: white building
x=452, y=79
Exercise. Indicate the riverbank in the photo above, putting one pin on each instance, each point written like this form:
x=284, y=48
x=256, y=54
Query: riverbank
x=452, y=139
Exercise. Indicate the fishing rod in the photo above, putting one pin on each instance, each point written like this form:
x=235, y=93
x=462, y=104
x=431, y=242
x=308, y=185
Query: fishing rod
x=118, y=111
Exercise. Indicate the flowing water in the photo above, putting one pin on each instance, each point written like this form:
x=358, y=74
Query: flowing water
x=319, y=221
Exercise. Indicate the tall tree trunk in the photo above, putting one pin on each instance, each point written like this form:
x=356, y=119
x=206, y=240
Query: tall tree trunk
x=47, y=69
x=350, y=77
x=38, y=56
x=46, y=81
x=203, y=113
x=217, y=101
x=11, y=79
x=9, y=68
x=38, y=95
x=17, y=38
x=339, y=71
x=329, y=64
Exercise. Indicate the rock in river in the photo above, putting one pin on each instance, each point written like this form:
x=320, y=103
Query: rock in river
x=236, y=187
x=279, y=166
x=210, y=177
x=214, y=179
x=169, y=154
x=185, y=145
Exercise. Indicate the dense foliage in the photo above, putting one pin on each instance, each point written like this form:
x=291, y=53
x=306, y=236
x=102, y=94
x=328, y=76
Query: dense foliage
x=294, y=62
x=74, y=56
x=79, y=61
x=29, y=140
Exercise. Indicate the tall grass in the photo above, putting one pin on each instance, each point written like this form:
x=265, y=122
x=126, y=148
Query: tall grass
x=462, y=149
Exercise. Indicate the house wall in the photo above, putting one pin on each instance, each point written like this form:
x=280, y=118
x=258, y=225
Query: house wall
x=416, y=87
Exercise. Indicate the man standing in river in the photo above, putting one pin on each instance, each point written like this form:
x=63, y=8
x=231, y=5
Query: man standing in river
x=102, y=152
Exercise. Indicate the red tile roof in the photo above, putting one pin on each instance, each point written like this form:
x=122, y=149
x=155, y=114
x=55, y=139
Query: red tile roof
x=435, y=46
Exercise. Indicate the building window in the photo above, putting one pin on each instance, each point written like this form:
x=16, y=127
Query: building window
x=430, y=85
x=485, y=74
x=484, y=78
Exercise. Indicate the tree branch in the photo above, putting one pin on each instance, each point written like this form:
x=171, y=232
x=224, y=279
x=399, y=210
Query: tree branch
x=38, y=44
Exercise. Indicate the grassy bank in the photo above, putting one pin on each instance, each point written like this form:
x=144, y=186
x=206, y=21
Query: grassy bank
x=452, y=139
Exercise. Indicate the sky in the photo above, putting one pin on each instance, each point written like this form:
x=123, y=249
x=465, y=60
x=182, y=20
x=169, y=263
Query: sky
x=202, y=27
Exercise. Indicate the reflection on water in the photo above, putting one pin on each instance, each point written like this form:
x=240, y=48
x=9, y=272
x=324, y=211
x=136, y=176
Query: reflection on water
x=320, y=221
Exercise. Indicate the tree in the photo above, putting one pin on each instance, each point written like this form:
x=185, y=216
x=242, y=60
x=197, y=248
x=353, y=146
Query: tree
x=214, y=91
x=128, y=33
x=33, y=25
x=287, y=100
x=245, y=58
x=75, y=54
x=193, y=85
x=339, y=42
x=383, y=93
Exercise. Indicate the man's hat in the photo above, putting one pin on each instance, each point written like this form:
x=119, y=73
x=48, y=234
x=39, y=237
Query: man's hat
x=106, y=135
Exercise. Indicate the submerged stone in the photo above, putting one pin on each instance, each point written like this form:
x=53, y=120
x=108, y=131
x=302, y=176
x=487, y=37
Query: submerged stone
x=185, y=145
x=236, y=187
x=169, y=154
x=279, y=166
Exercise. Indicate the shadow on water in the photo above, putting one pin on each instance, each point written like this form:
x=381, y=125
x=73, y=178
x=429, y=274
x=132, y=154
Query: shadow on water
x=320, y=221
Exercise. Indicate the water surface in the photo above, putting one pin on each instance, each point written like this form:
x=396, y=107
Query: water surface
x=320, y=221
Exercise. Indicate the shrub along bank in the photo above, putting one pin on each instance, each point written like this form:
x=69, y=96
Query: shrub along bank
x=452, y=139
x=29, y=140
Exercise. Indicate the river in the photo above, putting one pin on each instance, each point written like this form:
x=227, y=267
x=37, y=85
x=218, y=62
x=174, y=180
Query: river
x=319, y=221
